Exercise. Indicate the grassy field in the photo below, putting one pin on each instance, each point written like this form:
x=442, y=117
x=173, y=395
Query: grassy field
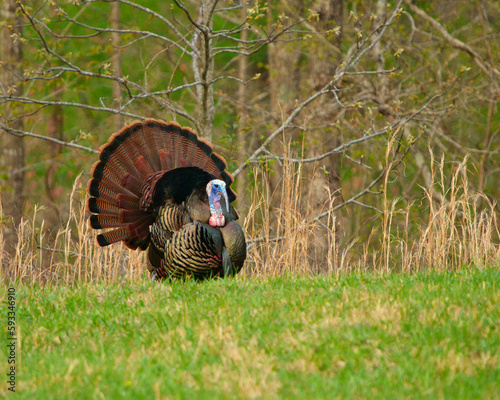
x=427, y=335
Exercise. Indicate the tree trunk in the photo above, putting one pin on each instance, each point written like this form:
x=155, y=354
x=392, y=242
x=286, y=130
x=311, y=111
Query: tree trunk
x=12, y=148
x=203, y=67
x=381, y=96
x=242, y=116
x=330, y=17
x=116, y=63
x=55, y=127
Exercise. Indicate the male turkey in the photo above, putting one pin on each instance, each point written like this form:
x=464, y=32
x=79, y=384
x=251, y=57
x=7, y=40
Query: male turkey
x=161, y=188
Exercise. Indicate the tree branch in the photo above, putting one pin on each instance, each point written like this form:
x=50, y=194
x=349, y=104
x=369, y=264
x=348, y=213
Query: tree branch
x=458, y=44
x=20, y=133
x=390, y=128
x=353, y=60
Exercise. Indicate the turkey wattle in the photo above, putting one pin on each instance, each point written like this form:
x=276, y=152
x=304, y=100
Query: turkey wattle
x=161, y=188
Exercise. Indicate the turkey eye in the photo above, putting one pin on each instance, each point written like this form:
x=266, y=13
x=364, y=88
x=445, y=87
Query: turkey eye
x=216, y=186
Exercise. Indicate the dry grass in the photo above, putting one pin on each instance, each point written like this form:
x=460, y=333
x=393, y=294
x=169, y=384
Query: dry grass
x=460, y=228
x=72, y=255
x=457, y=230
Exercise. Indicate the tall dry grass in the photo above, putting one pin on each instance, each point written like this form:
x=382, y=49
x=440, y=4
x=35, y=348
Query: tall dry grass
x=458, y=230
x=287, y=239
x=72, y=255
x=461, y=228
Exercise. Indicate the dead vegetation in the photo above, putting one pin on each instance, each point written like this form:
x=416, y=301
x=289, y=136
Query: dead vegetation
x=458, y=230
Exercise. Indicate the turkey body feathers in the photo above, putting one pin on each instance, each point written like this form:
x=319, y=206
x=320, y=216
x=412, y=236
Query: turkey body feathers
x=156, y=185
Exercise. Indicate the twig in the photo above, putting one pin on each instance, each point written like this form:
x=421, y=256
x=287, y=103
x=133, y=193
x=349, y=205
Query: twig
x=357, y=162
x=20, y=133
x=367, y=206
x=264, y=239
x=71, y=253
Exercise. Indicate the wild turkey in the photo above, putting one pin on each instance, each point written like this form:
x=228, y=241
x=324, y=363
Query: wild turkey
x=161, y=188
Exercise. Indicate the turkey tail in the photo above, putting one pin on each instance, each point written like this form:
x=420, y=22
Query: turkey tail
x=129, y=166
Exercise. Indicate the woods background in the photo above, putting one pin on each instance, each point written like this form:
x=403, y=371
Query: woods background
x=346, y=124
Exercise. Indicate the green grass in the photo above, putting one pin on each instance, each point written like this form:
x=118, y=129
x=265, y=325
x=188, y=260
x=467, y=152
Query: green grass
x=357, y=336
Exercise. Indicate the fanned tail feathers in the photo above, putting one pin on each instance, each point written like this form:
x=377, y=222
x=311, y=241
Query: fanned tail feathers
x=130, y=164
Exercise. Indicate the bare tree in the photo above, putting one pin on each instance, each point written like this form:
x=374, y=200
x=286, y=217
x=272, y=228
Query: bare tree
x=12, y=148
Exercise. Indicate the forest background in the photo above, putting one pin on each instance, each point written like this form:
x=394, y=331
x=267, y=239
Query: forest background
x=360, y=133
